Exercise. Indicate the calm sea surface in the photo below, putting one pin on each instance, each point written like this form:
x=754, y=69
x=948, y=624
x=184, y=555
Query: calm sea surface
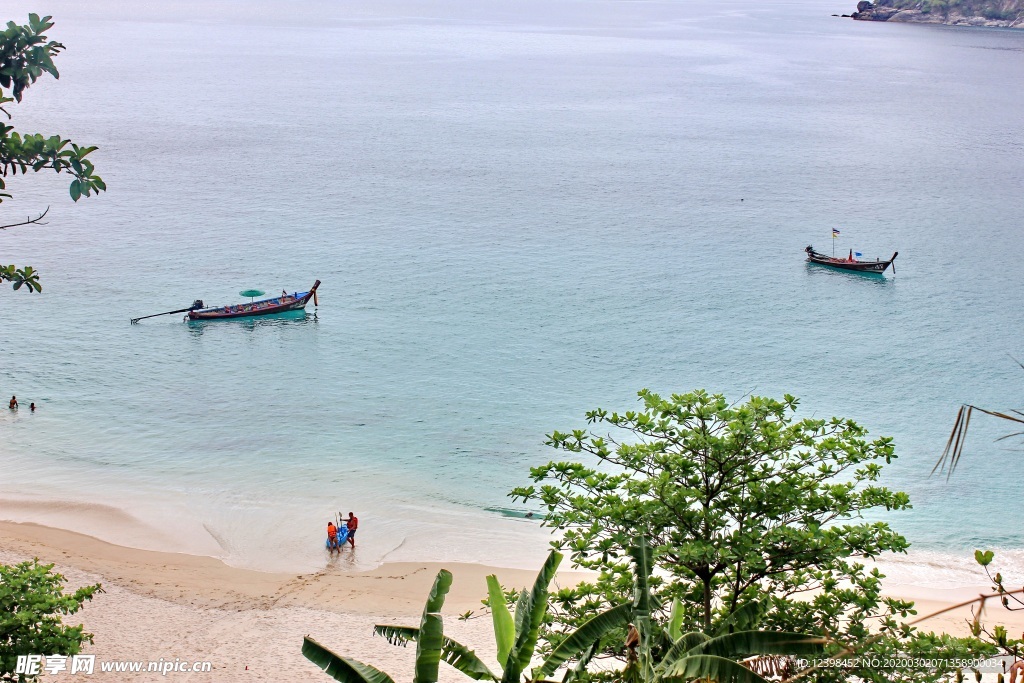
x=518, y=212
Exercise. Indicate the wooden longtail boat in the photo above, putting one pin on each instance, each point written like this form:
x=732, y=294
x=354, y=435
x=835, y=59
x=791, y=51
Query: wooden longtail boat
x=281, y=304
x=850, y=263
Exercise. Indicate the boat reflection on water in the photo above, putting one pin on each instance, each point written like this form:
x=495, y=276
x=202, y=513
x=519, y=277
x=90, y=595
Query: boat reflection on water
x=285, y=319
x=874, y=279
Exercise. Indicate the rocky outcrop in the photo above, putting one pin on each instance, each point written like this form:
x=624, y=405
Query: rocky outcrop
x=1000, y=13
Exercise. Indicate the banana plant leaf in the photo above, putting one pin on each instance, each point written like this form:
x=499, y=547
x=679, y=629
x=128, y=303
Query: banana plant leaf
x=453, y=652
x=743, y=644
x=744, y=618
x=711, y=668
x=504, y=626
x=684, y=644
x=511, y=670
x=643, y=557
x=340, y=668
x=431, y=633
x=574, y=673
x=530, y=610
x=675, y=621
x=593, y=630
x=643, y=603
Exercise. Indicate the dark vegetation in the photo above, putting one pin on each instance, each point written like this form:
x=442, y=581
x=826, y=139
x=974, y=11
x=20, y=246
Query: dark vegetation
x=25, y=55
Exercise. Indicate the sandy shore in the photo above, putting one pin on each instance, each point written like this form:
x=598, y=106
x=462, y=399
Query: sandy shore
x=250, y=624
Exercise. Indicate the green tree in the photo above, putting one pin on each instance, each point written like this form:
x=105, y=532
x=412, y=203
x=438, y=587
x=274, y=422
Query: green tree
x=743, y=503
x=32, y=604
x=25, y=55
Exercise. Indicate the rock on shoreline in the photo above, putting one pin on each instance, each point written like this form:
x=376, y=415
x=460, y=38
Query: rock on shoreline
x=926, y=12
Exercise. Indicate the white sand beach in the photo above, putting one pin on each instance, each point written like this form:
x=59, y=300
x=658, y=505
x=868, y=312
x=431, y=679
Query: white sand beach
x=250, y=624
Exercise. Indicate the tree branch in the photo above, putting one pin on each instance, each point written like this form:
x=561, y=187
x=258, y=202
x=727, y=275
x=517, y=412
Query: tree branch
x=28, y=220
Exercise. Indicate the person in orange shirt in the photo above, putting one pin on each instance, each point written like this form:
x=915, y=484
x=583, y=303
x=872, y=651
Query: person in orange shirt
x=352, y=523
x=332, y=538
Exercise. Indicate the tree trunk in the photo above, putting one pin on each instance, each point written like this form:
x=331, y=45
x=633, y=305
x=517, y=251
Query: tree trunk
x=707, y=606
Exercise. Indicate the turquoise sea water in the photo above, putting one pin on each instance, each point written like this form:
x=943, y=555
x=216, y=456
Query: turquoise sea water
x=518, y=213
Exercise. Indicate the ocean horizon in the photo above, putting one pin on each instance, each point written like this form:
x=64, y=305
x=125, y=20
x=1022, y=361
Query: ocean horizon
x=518, y=215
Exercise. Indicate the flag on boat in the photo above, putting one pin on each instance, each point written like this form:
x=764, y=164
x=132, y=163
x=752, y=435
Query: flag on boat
x=857, y=253
x=835, y=234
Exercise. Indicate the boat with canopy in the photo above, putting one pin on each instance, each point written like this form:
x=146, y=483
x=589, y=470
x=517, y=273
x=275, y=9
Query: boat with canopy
x=295, y=301
x=851, y=263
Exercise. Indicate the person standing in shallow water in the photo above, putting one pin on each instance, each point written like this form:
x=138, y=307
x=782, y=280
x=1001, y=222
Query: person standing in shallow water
x=32, y=407
x=352, y=523
x=13, y=405
x=332, y=538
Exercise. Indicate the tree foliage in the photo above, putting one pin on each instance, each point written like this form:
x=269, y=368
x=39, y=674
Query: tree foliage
x=744, y=504
x=32, y=605
x=26, y=54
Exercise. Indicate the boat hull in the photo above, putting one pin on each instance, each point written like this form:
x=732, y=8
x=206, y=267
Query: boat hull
x=281, y=304
x=859, y=267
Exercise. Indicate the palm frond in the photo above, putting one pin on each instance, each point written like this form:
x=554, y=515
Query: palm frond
x=954, y=449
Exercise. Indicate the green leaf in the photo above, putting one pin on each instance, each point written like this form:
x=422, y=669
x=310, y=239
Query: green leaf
x=984, y=558
x=529, y=615
x=396, y=635
x=339, y=668
x=643, y=558
x=452, y=652
x=586, y=635
x=682, y=645
x=76, y=190
x=744, y=644
x=501, y=618
x=711, y=668
x=744, y=618
x=466, y=660
x=431, y=635
x=577, y=671
x=511, y=668
x=675, y=622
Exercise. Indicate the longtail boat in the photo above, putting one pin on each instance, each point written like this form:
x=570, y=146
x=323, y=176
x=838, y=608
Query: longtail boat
x=850, y=263
x=280, y=304
x=286, y=302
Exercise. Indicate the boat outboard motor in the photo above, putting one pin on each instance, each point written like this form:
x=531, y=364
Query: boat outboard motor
x=197, y=304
